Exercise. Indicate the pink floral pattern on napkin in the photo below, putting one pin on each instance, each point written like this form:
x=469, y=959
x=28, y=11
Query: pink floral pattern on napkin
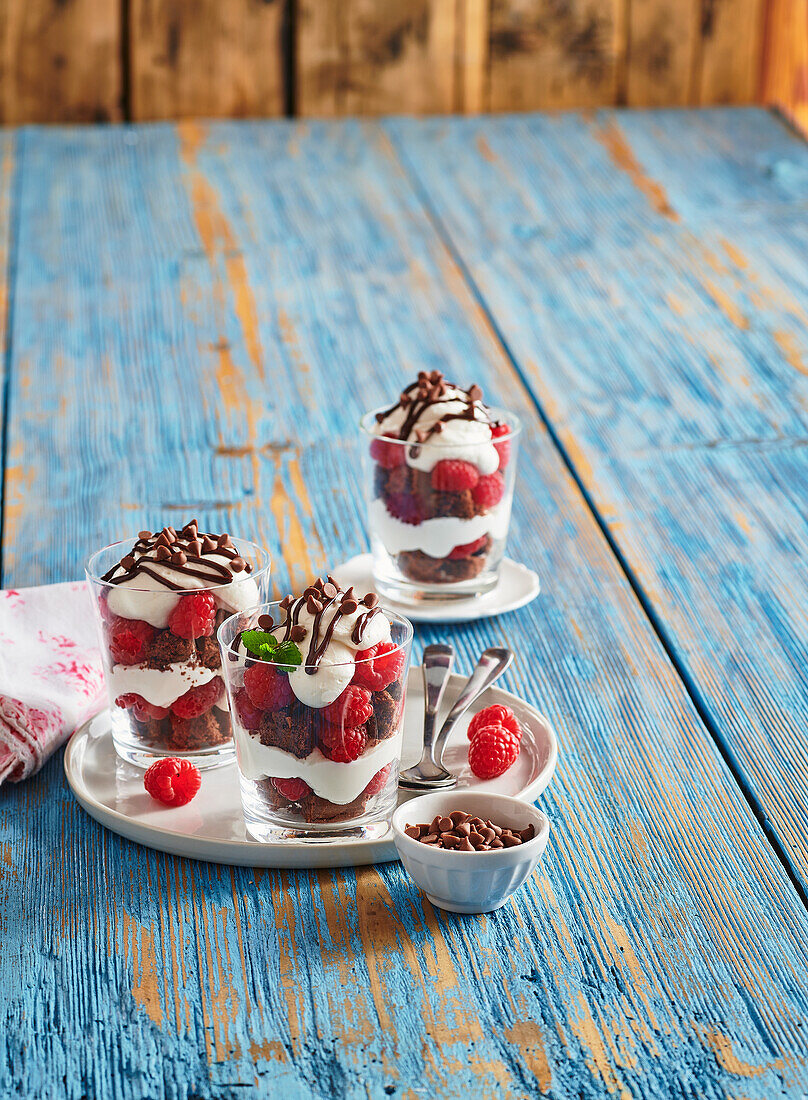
x=51, y=679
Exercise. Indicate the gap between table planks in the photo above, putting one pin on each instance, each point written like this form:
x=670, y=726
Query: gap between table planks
x=192, y=309
x=669, y=355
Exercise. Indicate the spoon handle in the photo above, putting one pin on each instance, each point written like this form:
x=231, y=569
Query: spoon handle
x=491, y=665
x=437, y=664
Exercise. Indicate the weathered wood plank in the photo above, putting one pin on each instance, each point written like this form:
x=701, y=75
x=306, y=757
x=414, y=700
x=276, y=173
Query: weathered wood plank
x=662, y=53
x=232, y=298
x=60, y=61
x=549, y=55
x=669, y=351
x=203, y=58
x=785, y=59
x=730, y=52
x=369, y=57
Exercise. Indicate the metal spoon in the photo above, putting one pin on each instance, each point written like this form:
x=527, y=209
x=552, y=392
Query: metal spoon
x=437, y=665
x=430, y=773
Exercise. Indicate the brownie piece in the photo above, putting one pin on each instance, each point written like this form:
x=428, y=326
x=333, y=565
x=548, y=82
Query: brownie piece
x=420, y=567
x=384, y=720
x=290, y=729
x=189, y=734
x=167, y=649
x=208, y=652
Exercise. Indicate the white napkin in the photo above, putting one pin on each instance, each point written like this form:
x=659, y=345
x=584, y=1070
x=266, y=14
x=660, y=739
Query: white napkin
x=51, y=679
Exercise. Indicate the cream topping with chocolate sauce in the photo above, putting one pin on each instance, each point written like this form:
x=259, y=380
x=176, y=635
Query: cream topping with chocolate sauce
x=441, y=421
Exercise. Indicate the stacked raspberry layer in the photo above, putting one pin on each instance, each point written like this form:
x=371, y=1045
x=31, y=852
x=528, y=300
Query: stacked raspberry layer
x=439, y=487
x=159, y=624
x=317, y=751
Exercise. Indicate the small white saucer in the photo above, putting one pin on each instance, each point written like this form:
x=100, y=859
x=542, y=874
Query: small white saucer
x=211, y=827
x=517, y=586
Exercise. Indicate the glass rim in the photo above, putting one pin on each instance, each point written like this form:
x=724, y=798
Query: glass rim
x=261, y=565
x=368, y=421
x=266, y=608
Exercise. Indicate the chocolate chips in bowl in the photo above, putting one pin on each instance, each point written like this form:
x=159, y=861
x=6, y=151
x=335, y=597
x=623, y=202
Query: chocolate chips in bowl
x=462, y=832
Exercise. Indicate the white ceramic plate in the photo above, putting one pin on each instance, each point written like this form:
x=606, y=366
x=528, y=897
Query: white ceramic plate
x=516, y=587
x=211, y=826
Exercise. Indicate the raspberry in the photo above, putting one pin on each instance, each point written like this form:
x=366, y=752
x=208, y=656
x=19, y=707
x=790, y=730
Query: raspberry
x=489, y=491
x=194, y=616
x=388, y=455
x=293, y=789
x=128, y=640
x=469, y=549
x=248, y=712
x=198, y=699
x=172, y=782
x=345, y=744
x=378, y=781
x=496, y=715
x=492, y=751
x=352, y=708
x=377, y=667
x=453, y=476
x=503, y=449
x=140, y=707
x=103, y=607
x=267, y=688
x=405, y=507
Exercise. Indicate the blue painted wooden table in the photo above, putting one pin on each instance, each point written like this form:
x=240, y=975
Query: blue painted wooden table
x=194, y=318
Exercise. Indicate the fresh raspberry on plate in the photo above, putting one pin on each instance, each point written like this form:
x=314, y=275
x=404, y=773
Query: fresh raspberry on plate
x=172, y=782
x=492, y=751
x=406, y=507
x=345, y=744
x=267, y=688
x=503, y=449
x=495, y=715
x=352, y=708
x=388, y=455
x=293, y=789
x=198, y=699
x=469, y=549
x=377, y=667
x=128, y=640
x=140, y=707
x=378, y=781
x=453, y=476
x=194, y=616
x=248, y=712
x=489, y=490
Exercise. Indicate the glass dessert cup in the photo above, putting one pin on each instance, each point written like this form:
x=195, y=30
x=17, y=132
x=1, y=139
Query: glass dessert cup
x=445, y=542
x=291, y=785
x=151, y=672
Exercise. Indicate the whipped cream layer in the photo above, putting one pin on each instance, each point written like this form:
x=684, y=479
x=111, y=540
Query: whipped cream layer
x=469, y=440
x=146, y=598
x=439, y=536
x=335, y=627
x=160, y=687
x=336, y=782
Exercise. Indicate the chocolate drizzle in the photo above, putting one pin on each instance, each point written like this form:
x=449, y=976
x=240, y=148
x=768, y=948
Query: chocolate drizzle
x=186, y=552
x=317, y=599
x=430, y=389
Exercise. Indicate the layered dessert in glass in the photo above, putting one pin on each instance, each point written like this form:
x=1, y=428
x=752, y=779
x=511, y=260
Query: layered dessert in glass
x=317, y=687
x=159, y=599
x=439, y=473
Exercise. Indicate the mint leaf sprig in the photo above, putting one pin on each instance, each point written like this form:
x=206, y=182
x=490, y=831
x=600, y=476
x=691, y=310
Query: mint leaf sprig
x=266, y=647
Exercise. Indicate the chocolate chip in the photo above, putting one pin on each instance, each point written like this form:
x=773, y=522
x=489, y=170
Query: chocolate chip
x=508, y=840
x=313, y=606
x=370, y=600
x=414, y=831
x=224, y=541
x=496, y=843
x=194, y=548
x=445, y=824
x=528, y=833
x=208, y=544
x=178, y=558
x=238, y=565
x=163, y=539
x=266, y=622
x=287, y=602
x=128, y=561
x=349, y=606
x=475, y=394
x=463, y=833
x=161, y=553
x=465, y=845
x=463, y=829
x=430, y=838
x=476, y=838
x=458, y=817
x=330, y=591
x=144, y=535
x=297, y=633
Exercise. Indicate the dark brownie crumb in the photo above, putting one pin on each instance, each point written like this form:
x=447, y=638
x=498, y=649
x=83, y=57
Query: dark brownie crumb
x=167, y=649
x=289, y=729
x=421, y=567
x=173, y=734
x=460, y=505
x=384, y=720
x=208, y=652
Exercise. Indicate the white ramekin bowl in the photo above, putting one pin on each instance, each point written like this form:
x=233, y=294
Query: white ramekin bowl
x=470, y=882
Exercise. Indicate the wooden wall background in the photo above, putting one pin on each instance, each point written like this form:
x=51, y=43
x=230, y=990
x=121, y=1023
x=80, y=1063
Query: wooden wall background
x=99, y=60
